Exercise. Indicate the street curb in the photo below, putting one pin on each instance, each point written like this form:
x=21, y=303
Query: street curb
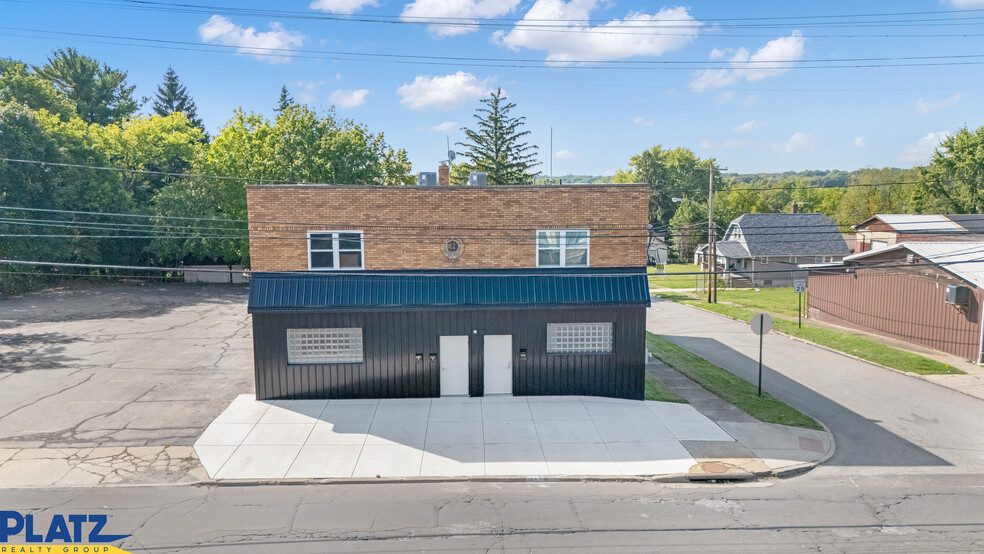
x=853, y=357
x=669, y=478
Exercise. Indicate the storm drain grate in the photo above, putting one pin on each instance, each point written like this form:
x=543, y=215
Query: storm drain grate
x=813, y=445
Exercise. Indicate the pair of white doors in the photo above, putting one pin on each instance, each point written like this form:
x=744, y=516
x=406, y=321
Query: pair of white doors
x=497, y=353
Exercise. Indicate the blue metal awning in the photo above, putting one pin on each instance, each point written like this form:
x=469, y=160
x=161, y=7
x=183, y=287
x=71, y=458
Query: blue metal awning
x=421, y=290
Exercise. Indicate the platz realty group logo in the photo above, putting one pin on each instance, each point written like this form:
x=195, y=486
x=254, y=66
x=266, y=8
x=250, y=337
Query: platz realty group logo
x=21, y=533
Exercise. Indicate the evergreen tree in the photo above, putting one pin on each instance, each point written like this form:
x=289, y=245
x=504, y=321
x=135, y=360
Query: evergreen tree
x=98, y=92
x=286, y=100
x=172, y=97
x=495, y=146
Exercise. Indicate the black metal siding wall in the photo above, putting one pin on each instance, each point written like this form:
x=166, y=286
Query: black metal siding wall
x=391, y=340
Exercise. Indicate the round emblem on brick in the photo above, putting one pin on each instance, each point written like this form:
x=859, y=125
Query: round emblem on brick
x=453, y=248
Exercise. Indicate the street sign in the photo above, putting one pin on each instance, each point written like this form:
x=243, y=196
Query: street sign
x=660, y=269
x=761, y=324
x=799, y=286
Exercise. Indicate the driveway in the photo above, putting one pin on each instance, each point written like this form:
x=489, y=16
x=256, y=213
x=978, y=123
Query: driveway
x=121, y=366
x=882, y=421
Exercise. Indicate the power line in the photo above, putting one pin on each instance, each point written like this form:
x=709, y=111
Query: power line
x=868, y=62
x=483, y=21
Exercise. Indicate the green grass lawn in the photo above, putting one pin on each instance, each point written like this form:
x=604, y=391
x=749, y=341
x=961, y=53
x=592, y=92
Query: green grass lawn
x=671, y=281
x=838, y=340
x=656, y=390
x=781, y=300
x=728, y=386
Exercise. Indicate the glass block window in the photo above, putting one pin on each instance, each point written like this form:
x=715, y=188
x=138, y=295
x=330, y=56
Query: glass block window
x=579, y=338
x=335, y=250
x=562, y=248
x=324, y=346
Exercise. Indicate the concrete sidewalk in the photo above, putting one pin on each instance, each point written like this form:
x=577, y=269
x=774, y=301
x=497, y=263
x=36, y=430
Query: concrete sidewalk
x=759, y=448
x=494, y=437
x=452, y=437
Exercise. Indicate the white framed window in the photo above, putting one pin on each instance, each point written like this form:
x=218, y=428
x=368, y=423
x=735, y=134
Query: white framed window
x=335, y=250
x=765, y=260
x=324, y=346
x=579, y=338
x=562, y=248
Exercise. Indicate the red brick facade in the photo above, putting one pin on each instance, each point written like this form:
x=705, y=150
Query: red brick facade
x=407, y=227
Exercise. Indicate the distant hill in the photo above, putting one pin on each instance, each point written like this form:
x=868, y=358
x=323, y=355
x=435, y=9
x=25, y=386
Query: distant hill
x=576, y=179
x=818, y=177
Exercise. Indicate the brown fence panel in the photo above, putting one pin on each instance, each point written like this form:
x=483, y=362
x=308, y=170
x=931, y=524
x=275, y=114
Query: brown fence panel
x=898, y=305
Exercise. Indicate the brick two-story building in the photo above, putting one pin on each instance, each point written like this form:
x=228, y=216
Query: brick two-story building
x=376, y=292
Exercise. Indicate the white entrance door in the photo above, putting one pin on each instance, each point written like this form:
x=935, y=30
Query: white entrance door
x=454, y=366
x=498, y=364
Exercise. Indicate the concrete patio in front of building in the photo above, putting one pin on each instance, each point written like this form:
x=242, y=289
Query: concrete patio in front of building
x=466, y=437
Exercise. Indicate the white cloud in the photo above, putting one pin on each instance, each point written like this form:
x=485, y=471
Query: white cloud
x=859, y=142
x=455, y=11
x=273, y=46
x=717, y=54
x=445, y=127
x=609, y=41
x=341, y=6
x=965, y=4
x=725, y=97
x=445, y=92
x=564, y=155
x=923, y=106
x=768, y=61
x=748, y=126
x=798, y=142
x=750, y=101
x=643, y=122
x=308, y=92
x=922, y=150
x=349, y=98
x=728, y=144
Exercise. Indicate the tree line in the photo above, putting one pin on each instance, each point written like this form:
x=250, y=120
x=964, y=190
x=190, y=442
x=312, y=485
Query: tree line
x=186, y=188
x=952, y=183
x=101, y=154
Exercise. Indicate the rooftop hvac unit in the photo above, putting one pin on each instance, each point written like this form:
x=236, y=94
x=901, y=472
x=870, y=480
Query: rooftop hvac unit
x=958, y=295
x=427, y=179
x=477, y=179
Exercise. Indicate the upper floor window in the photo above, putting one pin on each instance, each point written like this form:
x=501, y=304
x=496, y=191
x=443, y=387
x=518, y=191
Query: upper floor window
x=562, y=248
x=335, y=250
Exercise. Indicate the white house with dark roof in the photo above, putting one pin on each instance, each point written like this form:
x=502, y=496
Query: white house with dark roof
x=764, y=250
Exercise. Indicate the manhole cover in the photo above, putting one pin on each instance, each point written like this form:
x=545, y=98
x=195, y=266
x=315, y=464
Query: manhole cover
x=812, y=445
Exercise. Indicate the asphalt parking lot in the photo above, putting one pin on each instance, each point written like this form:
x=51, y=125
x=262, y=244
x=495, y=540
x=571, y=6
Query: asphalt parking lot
x=121, y=365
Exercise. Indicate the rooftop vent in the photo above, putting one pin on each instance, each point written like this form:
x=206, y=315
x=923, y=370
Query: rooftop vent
x=477, y=179
x=427, y=179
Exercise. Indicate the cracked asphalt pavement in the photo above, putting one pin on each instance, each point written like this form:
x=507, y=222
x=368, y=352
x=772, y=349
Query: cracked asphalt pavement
x=120, y=365
x=821, y=511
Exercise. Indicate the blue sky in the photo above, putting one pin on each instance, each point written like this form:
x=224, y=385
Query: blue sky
x=757, y=94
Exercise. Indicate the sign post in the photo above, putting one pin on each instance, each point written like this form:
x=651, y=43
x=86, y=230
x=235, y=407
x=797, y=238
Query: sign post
x=799, y=287
x=761, y=324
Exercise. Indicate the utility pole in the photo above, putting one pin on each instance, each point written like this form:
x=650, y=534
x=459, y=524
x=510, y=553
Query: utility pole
x=711, y=238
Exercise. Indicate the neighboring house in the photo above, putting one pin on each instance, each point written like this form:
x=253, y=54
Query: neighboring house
x=764, y=250
x=885, y=230
x=901, y=291
x=373, y=292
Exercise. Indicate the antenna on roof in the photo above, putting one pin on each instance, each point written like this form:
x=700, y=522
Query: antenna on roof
x=451, y=154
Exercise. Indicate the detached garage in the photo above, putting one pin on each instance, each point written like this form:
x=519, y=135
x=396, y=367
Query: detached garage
x=927, y=293
x=399, y=334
